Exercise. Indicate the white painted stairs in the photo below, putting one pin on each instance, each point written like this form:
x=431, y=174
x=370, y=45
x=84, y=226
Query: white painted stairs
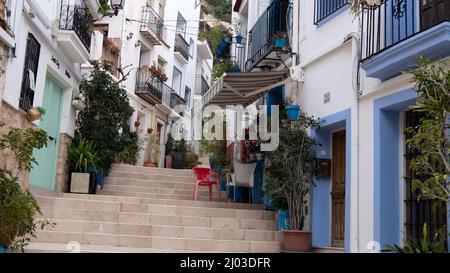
x=151, y=210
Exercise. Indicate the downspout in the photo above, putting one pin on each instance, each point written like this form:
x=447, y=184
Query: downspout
x=354, y=192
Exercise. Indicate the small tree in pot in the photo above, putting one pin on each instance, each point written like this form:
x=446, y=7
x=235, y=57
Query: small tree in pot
x=293, y=167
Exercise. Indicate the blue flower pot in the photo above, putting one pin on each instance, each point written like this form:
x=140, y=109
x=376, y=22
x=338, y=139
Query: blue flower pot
x=293, y=112
x=283, y=220
x=3, y=249
x=280, y=42
x=239, y=39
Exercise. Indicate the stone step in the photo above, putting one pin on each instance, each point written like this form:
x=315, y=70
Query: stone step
x=162, y=171
x=153, y=195
x=156, y=201
x=163, y=231
x=121, y=181
x=156, y=219
x=203, y=191
x=152, y=209
x=152, y=176
x=155, y=242
x=71, y=248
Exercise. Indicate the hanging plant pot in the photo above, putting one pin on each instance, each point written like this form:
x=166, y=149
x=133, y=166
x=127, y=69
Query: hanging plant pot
x=149, y=131
x=137, y=124
x=33, y=114
x=293, y=112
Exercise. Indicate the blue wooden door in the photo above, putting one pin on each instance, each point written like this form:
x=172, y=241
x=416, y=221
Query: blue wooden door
x=43, y=174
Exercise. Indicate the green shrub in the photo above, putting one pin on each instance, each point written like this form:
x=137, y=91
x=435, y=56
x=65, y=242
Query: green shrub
x=131, y=149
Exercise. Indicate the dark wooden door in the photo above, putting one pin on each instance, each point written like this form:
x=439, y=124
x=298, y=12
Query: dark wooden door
x=433, y=12
x=338, y=189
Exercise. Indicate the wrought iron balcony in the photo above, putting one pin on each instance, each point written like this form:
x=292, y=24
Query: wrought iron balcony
x=269, y=37
x=397, y=31
x=152, y=26
x=239, y=52
x=78, y=19
x=181, y=46
x=175, y=100
x=323, y=9
x=150, y=88
x=202, y=85
x=395, y=21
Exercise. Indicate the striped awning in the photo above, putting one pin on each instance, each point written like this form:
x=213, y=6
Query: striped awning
x=243, y=88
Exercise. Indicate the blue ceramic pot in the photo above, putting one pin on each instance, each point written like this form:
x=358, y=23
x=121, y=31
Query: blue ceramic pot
x=3, y=249
x=293, y=112
x=239, y=39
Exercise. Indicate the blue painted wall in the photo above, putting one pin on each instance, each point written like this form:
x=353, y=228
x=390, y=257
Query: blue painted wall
x=320, y=195
x=387, y=180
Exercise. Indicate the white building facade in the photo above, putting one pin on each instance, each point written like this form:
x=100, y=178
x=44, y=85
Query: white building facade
x=347, y=70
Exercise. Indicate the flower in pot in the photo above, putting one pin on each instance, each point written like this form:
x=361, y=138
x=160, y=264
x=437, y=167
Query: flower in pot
x=35, y=113
x=152, y=150
x=83, y=166
x=293, y=167
x=292, y=109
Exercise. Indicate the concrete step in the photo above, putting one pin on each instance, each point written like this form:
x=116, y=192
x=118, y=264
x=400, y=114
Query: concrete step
x=121, y=181
x=76, y=248
x=152, y=209
x=162, y=171
x=203, y=191
x=156, y=219
x=157, y=201
x=152, y=176
x=153, y=195
x=163, y=231
x=155, y=242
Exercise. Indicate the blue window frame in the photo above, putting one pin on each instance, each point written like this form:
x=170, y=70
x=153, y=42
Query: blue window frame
x=325, y=8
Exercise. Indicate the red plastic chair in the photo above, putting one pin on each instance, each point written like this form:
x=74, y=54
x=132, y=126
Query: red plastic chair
x=205, y=177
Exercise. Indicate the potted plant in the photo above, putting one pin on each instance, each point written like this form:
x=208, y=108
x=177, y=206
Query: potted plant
x=83, y=166
x=292, y=109
x=293, y=167
x=35, y=113
x=169, y=151
x=153, y=151
x=18, y=207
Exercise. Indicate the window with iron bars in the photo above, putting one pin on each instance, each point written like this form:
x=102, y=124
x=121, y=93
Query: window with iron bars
x=30, y=71
x=324, y=8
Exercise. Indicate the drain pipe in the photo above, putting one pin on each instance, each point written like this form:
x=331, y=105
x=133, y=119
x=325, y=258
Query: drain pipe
x=354, y=192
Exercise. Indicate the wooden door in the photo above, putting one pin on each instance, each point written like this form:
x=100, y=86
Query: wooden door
x=338, y=189
x=434, y=12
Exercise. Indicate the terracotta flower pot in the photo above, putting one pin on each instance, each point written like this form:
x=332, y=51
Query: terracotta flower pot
x=33, y=114
x=149, y=131
x=169, y=162
x=297, y=241
x=149, y=165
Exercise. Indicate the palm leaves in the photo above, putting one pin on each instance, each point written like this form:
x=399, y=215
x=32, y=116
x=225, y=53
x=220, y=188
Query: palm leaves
x=82, y=157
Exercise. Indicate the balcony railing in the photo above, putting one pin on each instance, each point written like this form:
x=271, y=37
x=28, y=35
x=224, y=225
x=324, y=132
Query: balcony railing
x=175, y=100
x=202, y=86
x=324, y=8
x=181, y=46
x=239, y=53
x=273, y=23
x=398, y=20
x=152, y=21
x=150, y=88
x=79, y=20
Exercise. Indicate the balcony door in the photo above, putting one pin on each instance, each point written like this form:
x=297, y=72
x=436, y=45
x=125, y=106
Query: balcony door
x=434, y=12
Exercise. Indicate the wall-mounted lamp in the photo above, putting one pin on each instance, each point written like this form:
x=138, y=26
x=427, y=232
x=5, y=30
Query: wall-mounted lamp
x=138, y=43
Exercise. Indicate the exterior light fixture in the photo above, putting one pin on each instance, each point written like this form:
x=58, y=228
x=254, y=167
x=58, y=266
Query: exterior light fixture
x=116, y=5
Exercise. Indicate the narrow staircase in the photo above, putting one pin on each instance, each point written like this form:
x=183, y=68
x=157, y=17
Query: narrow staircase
x=151, y=210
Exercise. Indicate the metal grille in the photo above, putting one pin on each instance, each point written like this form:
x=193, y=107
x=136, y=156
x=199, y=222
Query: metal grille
x=273, y=22
x=32, y=54
x=175, y=100
x=397, y=20
x=153, y=21
x=79, y=20
x=417, y=213
x=181, y=46
x=325, y=8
